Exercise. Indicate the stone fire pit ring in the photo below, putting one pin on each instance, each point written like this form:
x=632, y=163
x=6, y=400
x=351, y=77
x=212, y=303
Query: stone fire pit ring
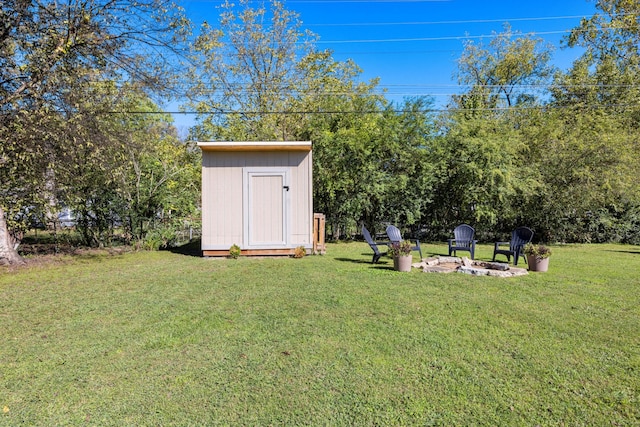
x=449, y=264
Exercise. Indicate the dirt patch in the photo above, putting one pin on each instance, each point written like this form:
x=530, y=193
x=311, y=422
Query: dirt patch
x=43, y=254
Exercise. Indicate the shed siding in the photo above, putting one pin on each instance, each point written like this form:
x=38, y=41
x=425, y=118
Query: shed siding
x=222, y=194
x=302, y=208
x=221, y=201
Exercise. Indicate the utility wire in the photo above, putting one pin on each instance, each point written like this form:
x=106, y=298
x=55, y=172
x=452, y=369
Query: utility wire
x=456, y=22
x=381, y=111
x=333, y=1
x=368, y=1
x=429, y=39
x=362, y=112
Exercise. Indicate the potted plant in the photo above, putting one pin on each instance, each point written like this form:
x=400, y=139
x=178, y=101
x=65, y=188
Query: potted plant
x=401, y=254
x=537, y=256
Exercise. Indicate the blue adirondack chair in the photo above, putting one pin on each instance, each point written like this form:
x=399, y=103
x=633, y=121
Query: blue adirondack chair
x=374, y=245
x=463, y=240
x=395, y=237
x=519, y=238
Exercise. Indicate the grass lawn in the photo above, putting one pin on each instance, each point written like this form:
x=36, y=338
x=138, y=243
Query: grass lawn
x=159, y=338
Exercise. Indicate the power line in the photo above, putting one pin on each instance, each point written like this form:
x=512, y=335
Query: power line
x=334, y=1
x=422, y=39
x=428, y=39
x=186, y=84
x=398, y=52
x=440, y=38
x=418, y=86
x=381, y=111
x=367, y=1
x=454, y=22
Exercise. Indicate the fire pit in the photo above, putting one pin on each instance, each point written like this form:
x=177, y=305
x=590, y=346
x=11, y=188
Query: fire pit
x=449, y=264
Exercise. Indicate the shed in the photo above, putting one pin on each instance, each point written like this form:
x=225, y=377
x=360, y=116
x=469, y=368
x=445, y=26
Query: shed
x=257, y=195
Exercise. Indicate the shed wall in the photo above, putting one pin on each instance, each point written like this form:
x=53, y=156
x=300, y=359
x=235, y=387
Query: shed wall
x=222, y=194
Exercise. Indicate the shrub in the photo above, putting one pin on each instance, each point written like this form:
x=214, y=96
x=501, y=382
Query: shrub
x=234, y=251
x=160, y=237
x=299, y=252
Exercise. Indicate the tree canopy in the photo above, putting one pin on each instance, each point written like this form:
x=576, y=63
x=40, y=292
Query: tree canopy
x=65, y=71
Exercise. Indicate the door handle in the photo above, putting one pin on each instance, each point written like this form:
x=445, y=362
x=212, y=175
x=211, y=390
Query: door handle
x=286, y=187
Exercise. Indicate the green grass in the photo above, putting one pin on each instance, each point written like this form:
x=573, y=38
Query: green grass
x=157, y=338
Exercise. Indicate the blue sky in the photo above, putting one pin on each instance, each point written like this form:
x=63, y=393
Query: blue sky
x=413, y=45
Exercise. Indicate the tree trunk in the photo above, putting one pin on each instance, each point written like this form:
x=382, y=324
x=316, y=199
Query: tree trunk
x=8, y=252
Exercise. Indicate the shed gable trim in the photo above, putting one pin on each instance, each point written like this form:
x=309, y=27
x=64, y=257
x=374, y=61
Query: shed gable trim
x=255, y=146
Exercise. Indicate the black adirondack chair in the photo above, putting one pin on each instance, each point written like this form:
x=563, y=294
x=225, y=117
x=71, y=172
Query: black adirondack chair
x=395, y=236
x=374, y=245
x=519, y=238
x=463, y=240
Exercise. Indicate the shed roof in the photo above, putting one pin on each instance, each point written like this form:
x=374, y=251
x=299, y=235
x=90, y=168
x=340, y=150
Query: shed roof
x=255, y=146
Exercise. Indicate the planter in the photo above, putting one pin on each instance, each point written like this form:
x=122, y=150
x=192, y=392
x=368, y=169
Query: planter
x=537, y=264
x=402, y=263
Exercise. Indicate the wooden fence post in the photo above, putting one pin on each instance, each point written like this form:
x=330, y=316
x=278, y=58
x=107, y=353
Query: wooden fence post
x=318, y=234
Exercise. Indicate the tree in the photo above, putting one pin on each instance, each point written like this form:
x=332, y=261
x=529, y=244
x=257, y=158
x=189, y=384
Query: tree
x=612, y=32
x=508, y=72
x=480, y=173
x=400, y=142
x=608, y=73
x=123, y=169
x=370, y=163
x=480, y=160
x=246, y=73
x=159, y=183
x=342, y=114
x=50, y=49
x=21, y=189
x=588, y=146
x=369, y=156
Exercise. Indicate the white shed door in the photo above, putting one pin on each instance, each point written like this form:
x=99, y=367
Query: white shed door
x=266, y=218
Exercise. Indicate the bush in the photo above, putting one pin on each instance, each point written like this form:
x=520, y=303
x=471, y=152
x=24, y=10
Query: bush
x=299, y=252
x=234, y=251
x=161, y=237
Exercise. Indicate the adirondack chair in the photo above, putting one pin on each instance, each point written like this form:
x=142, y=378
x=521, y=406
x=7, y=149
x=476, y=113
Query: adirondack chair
x=395, y=236
x=463, y=240
x=519, y=238
x=374, y=245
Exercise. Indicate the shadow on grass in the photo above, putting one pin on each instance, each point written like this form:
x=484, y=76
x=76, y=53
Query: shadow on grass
x=359, y=261
x=353, y=260
x=632, y=252
x=188, y=249
x=382, y=267
x=383, y=264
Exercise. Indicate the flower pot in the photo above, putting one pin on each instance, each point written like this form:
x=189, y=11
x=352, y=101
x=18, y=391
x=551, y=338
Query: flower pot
x=537, y=264
x=402, y=263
